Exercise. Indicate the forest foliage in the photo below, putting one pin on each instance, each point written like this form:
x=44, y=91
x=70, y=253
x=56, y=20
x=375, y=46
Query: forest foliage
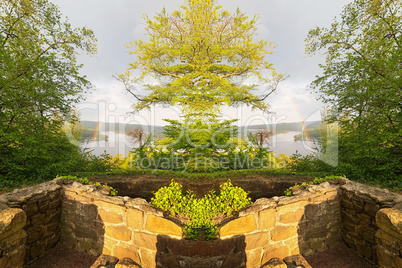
x=40, y=81
x=362, y=83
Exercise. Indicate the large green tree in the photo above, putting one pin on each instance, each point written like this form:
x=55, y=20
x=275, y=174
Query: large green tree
x=39, y=82
x=199, y=58
x=362, y=80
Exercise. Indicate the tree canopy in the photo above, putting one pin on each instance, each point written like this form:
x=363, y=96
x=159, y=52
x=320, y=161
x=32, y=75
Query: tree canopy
x=39, y=82
x=362, y=80
x=201, y=58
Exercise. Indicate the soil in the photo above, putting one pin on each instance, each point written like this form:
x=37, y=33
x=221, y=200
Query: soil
x=336, y=257
x=62, y=256
x=258, y=186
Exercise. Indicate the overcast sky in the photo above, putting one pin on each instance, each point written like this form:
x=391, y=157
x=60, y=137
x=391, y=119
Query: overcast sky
x=285, y=22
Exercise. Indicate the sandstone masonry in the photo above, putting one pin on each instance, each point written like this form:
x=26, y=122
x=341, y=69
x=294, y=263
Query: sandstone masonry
x=35, y=219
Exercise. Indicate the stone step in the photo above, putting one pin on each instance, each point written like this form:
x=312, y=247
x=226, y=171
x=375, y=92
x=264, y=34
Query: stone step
x=295, y=261
x=107, y=261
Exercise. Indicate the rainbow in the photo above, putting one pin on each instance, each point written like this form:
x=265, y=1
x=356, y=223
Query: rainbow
x=304, y=131
x=96, y=131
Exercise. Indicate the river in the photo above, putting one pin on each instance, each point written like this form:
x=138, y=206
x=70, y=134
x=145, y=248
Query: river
x=120, y=143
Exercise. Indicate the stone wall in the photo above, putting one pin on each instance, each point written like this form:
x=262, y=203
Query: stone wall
x=389, y=237
x=34, y=219
x=283, y=226
x=361, y=208
x=41, y=205
x=123, y=227
x=12, y=237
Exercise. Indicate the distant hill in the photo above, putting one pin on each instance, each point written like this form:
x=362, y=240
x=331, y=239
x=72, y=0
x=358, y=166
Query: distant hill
x=282, y=127
x=119, y=127
x=157, y=130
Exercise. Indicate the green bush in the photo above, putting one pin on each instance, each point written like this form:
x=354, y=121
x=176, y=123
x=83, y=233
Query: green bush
x=201, y=212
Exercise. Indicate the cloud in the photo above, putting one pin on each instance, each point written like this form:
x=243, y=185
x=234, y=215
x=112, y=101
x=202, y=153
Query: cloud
x=284, y=22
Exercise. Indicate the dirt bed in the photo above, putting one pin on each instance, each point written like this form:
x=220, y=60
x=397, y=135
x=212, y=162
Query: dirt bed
x=62, y=256
x=339, y=256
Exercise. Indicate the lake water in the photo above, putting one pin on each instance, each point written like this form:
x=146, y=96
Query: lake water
x=120, y=143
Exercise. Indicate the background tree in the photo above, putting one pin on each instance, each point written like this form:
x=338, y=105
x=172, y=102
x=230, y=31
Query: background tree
x=362, y=79
x=137, y=135
x=262, y=135
x=199, y=58
x=39, y=82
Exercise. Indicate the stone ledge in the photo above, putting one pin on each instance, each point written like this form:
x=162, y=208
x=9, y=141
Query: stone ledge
x=11, y=220
x=381, y=196
x=390, y=221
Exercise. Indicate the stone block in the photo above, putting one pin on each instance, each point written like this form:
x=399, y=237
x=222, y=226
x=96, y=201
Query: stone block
x=30, y=209
x=365, y=249
x=364, y=219
x=233, y=259
x=52, y=216
x=241, y=225
x=314, y=233
x=110, y=217
x=291, y=207
x=52, y=241
x=121, y=233
x=89, y=211
x=278, y=250
x=135, y=219
x=267, y=219
x=120, y=209
x=145, y=240
x=13, y=259
x=52, y=227
x=296, y=261
x=37, y=219
x=388, y=241
x=148, y=258
x=256, y=240
x=367, y=234
x=293, y=243
x=280, y=233
x=292, y=217
x=274, y=263
x=390, y=220
x=371, y=208
x=349, y=216
x=325, y=197
x=43, y=203
x=55, y=203
x=162, y=226
x=126, y=251
x=350, y=240
x=105, y=260
x=127, y=263
x=259, y=205
x=358, y=203
x=87, y=232
x=35, y=234
x=346, y=203
x=12, y=241
x=254, y=258
x=11, y=220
